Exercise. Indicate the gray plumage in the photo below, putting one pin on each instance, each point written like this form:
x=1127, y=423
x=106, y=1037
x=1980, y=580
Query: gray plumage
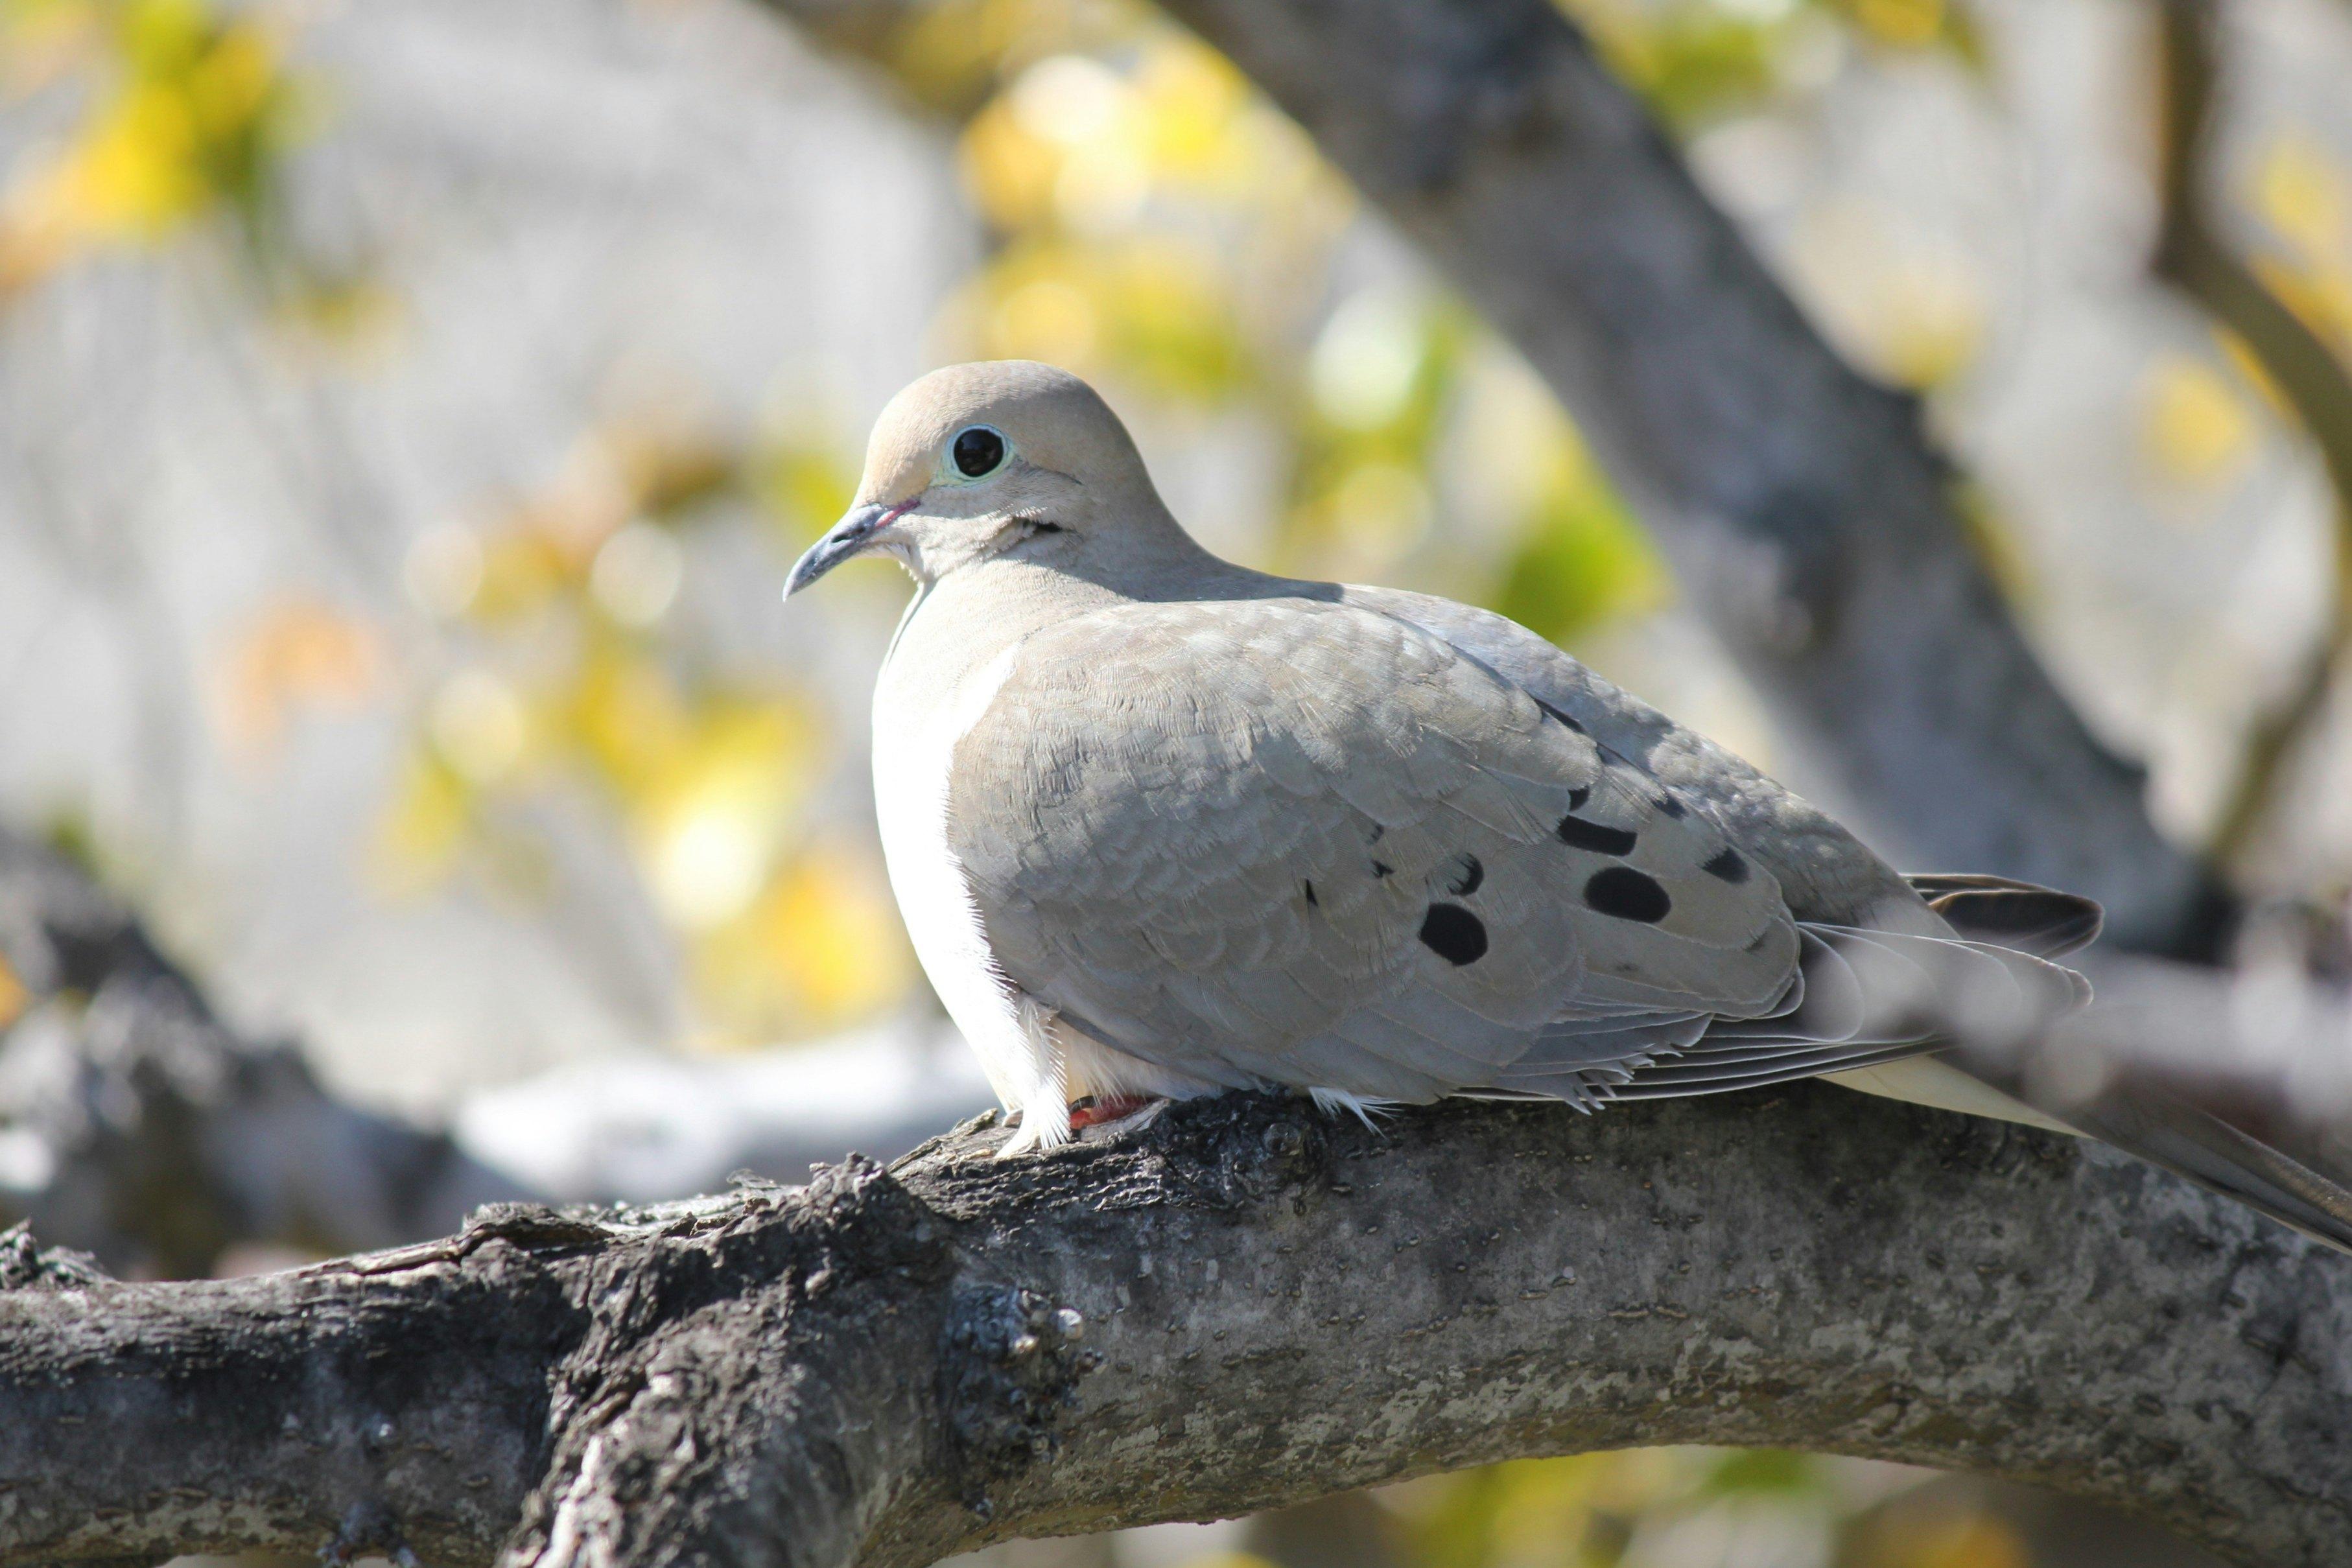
x=1214, y=834
x=1162, y=825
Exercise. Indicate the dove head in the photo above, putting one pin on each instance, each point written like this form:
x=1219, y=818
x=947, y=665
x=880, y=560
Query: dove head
x=1006, y=457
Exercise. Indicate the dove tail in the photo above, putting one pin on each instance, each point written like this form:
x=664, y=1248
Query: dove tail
x=2147, y=1122
x=2196, y=1144
x=2017, y=914
x=1880, y=1011
x=1861, y=1000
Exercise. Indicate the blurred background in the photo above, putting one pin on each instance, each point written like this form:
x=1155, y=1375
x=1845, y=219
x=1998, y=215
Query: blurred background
x=408, y=412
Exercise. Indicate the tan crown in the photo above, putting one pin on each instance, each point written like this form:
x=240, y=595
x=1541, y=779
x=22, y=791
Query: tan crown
x=1053, y=420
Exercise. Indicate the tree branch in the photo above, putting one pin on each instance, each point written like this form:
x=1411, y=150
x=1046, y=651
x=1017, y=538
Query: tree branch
x=2192, y=256
x=1250, y=1304
x=135, y=1124
x=1807, y=513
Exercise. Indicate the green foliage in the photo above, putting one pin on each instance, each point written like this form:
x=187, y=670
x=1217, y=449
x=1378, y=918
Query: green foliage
x=1761, y=1470
x=1698, y=61
x=1581, y=564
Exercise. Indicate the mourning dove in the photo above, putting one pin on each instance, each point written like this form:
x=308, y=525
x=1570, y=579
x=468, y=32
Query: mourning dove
x=1162, y=826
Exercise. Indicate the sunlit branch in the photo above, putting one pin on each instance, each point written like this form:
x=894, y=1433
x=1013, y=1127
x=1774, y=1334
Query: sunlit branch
x=1244, y=1305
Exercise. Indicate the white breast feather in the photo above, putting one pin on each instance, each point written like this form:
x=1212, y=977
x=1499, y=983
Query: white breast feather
x=1008, y=1031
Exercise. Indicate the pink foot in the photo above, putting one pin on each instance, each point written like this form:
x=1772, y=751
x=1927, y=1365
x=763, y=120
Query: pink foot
x=1095, y=1110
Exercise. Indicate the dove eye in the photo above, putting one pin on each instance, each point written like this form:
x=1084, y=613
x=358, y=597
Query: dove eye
x=978, y=452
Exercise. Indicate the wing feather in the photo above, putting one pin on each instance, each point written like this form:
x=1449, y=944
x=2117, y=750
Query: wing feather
x=1303, y=842
x=1309, y=841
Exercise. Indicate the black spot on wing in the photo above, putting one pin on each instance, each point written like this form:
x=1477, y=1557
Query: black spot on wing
x=1559, y=716
x=1627, y=894
x=1600, y=838
x=1308, y=887
x=1382, y=869
x=1730, y=866
x=1578, y=796
x=1454, y=934
x=1467, y=874
x=1667, y=805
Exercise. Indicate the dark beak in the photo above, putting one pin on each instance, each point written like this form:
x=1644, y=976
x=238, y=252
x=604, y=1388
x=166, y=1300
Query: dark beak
x=843, y=539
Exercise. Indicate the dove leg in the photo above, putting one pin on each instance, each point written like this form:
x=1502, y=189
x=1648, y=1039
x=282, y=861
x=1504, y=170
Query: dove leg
x=1094, y=1110
x=1108, y=1120
x=1106, y=1074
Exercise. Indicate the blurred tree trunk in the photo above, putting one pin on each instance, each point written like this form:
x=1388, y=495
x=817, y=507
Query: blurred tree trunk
x=136, y=1125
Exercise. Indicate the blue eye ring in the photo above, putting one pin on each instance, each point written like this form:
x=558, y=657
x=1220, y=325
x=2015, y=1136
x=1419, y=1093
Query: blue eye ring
x=979, y=450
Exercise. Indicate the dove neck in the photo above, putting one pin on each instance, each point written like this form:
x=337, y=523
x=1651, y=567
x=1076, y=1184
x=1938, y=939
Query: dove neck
x=963, y=619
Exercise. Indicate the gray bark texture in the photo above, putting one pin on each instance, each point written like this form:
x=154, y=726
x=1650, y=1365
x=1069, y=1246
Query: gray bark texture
x=1241, y=1305
x=1805, y=510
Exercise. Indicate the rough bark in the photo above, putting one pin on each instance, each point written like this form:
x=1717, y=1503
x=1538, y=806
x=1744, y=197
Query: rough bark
x=1805, y=508
x=1242, y=1305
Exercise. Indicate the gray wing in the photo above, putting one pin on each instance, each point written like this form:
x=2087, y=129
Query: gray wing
x=1295, y=842
x=1894, y=965
x=1824, y=871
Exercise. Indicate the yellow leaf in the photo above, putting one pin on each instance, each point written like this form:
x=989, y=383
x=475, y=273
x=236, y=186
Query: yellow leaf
x=1379, y=512
x=195, y=113
x=945, y=53
x=1008, y=168
x=819, y=948
x=159, y=35
x=807, y=487
x=715, y=804
x=830, y=923
x=1972, y=1541
x=230, y=86
x=2196, y=427
x=418, y=838
x=14, y=994
x=2302, y=194
x=1155, y=309
x=523, y=570
x=134, y=173
x=1931, y=321
x=1908, y=24
x=620, y=713
x=1193, y=102
x=296, y=653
